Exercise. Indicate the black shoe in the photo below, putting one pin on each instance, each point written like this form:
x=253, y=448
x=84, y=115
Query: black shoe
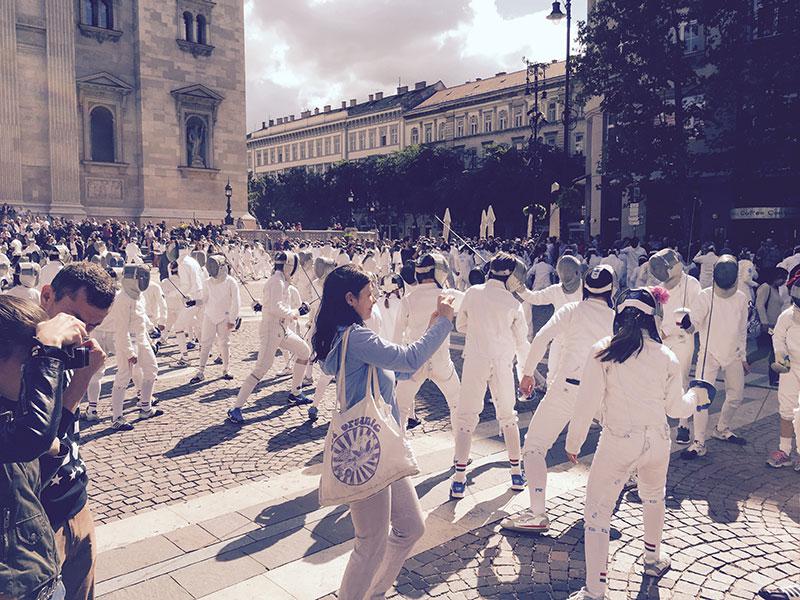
x=190, y=345
x=227, y=376
x=683, y=436
x=218, y=360
x=412, y=423
x=299, y=399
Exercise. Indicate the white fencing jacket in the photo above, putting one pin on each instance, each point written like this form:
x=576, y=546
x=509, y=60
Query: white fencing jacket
x=727, y=340
x=221, y=300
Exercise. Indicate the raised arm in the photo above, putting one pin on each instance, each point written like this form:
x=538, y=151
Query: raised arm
x=368, y=347
x=557, y=324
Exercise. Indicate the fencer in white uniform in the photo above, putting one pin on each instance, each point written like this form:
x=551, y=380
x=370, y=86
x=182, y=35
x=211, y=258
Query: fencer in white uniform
x=579, y=325
x=5, y=272
x=568, y=290
x=786, y=344
x=413, y=317
x=392, y=291
x=666, y=267
x=635, y=382
x=132, y=345
x=26, y=282
x=191, y=286
x=51, y=269
x=495, y=329
x=720, y=316
x=275, y=333
x=322, y=268
x=220, y=311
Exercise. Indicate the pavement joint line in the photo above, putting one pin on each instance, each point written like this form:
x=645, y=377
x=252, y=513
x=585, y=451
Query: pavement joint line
x=444, y=522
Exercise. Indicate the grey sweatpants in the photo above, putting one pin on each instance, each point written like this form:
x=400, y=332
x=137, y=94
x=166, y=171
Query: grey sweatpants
x=379, y=553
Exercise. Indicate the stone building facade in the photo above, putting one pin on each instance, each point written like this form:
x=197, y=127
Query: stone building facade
x=125, y=109
x=478, y=114
x=353, y=131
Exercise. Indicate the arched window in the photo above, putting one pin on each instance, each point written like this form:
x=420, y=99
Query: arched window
x=188, y=26
x=473, y=125
x=104, y=14
x=414, y=136
x=101, y=126
x=201, y=29
x=503, y=120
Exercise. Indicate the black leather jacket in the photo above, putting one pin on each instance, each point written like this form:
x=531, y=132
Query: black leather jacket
x=28, y=561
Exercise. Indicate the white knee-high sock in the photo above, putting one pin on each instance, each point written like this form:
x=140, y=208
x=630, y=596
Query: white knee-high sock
x=536, y=472
x=463, y=444
x=653, y=514
x=595, y=542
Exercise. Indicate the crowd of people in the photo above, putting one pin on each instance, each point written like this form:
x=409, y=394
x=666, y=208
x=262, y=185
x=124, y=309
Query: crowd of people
x=627, y=320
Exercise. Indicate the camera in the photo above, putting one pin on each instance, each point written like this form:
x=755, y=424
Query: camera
x=76, y=358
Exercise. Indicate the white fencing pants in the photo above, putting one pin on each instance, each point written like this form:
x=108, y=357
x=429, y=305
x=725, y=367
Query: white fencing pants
x=443, y=375
x=220, y=332
x=552, y=415
x=183, y=326
x=683, y=347
x=274, y=337
x=734, y=391
x=789, y=400
x=146, y=360
x=323, y=381
x=106, y=342
x=387, y=525
x=617, y=456
x=479, y=372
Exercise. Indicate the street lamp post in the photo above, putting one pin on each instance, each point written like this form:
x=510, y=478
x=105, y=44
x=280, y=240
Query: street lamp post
x=228, y=194
x=555, y=16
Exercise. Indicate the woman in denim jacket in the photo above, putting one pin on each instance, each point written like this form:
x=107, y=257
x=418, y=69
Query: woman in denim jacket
x=347, y=300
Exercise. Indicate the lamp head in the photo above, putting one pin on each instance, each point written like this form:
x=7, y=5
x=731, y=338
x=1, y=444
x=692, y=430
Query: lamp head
x=228, y=189
x=556, y=15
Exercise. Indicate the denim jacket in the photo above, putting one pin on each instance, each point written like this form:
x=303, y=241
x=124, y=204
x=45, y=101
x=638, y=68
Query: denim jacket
x=365, y=348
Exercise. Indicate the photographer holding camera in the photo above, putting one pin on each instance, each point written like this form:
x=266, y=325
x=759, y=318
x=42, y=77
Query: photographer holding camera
x=32, y=362
x=86, y=291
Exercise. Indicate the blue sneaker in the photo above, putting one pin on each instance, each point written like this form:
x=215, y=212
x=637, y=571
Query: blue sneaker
x=313, y=413
x=518, y=482
x=299, y=399
x=457, y=490
x=235, y=416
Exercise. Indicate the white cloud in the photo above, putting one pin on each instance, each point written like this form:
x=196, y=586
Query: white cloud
x=307, y=53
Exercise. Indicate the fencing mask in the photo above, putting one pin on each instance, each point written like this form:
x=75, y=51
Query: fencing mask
x=28, y=274
x=290, y=263
x=569, y=273
x=135, y=279
x=726, y=275
x=666, y=267
x=217, y=267
x=200, y=257
x=323, y=266
x=432, y=265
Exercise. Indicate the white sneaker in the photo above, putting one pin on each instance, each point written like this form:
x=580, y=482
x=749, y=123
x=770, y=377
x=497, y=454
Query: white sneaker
x=726, y=435
x=91, y=416
x=657, y=568
x=527, y=522
x=695, y=450
x=121, y=425
x=582, y=594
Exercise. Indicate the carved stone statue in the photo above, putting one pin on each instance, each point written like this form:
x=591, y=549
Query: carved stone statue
x=196, y=141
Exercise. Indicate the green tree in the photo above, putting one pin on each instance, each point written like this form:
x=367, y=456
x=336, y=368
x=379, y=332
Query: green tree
x=635, y=60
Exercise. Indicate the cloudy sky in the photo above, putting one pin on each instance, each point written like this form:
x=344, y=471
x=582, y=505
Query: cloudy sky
x=304, y=54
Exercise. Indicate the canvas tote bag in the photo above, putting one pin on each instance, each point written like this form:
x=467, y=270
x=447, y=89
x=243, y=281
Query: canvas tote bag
x=365, y=449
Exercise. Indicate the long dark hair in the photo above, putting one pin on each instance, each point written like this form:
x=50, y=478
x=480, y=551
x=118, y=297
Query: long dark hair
x=334, y=311
x=629, y=329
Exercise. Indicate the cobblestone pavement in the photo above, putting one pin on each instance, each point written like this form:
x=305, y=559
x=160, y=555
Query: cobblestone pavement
x=191, y=450
x=732, y=525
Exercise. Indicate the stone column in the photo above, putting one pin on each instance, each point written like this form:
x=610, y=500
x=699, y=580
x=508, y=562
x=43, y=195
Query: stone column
x=63, y=108
x=10, y=149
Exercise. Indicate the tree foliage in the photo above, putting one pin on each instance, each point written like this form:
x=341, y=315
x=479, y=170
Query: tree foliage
x=421, y=181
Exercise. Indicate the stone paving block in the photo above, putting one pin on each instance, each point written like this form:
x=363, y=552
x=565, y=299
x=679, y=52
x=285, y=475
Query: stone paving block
x=221, y=572
x=191, y=538
x=228, y=526
x=163, y=588
x=135, y=556
x=282, y=549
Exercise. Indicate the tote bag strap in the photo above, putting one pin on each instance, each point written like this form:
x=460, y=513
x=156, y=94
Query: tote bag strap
x=341, y=399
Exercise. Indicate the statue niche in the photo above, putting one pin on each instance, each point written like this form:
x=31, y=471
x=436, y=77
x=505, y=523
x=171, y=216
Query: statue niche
x=196, y=142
